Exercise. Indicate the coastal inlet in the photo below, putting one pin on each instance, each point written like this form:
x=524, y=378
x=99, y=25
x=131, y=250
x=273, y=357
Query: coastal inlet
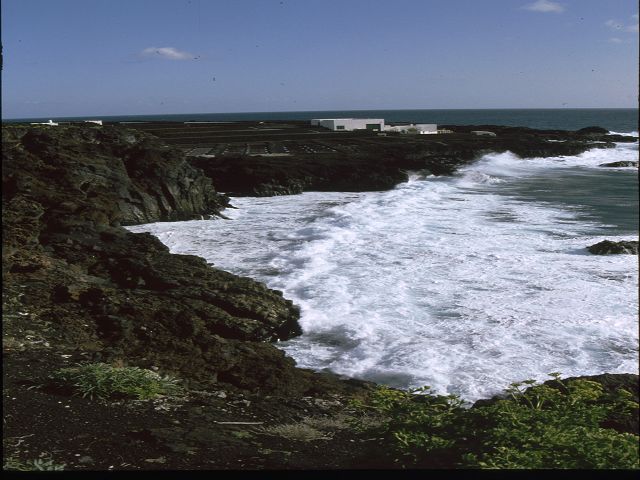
x=463, y=283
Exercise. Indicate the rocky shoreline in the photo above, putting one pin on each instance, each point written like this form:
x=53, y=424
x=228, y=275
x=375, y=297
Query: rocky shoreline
x=380, y=163
x=80, y=288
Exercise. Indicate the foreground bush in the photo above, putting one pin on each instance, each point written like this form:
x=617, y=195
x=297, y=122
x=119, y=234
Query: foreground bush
x=99, y=380
x=557, y=425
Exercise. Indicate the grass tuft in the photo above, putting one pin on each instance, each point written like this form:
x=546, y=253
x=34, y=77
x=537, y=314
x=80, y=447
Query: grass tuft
x=103, y=381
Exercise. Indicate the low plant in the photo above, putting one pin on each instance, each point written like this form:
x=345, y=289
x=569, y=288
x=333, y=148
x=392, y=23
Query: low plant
x=44, y=464
x=560, y=426
x=418, y=423
x=103, y=381
x=301, y=432
x=536, y=426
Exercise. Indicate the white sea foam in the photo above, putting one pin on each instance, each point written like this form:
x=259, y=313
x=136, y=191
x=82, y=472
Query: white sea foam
x=625, y=134
x=442, y=281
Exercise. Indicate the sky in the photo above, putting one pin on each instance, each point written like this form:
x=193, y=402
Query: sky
x=127, y=57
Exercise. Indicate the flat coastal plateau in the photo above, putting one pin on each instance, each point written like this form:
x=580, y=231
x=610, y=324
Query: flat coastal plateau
x=79, y=289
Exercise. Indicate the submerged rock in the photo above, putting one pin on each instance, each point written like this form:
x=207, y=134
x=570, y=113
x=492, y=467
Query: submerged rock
x=619, y=164
x=607, y=247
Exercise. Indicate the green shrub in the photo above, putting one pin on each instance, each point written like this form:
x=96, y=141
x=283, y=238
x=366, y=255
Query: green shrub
x=45, y=464
x=418, y=426
x=536, y=426
x=545, y=427
x=99, y=380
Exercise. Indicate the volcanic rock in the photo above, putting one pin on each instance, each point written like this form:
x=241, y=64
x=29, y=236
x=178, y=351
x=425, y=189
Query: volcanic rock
x=607, y=247
x=619, y=164
x=118, y=296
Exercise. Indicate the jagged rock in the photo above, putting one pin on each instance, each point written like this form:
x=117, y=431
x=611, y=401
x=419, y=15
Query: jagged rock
x=619, y=164
x=607, y=247
x=109, y=175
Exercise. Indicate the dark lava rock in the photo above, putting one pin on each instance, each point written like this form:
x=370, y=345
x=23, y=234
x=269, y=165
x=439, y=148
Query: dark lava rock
x=597, y=130
x=109, y=175
x=120, y=296
x=380, y=163
x=607, y=247
x=619, y=164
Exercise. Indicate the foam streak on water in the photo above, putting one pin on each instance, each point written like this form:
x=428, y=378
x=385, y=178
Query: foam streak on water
x=458, y=283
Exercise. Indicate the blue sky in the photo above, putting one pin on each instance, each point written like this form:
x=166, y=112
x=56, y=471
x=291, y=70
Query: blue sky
x=119, y=57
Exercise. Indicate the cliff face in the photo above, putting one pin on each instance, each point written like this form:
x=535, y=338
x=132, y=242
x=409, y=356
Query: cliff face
x=109, y=175
x=84, y=284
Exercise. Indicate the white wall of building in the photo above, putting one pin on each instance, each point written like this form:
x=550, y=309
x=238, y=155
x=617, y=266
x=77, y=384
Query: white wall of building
x=348, y=124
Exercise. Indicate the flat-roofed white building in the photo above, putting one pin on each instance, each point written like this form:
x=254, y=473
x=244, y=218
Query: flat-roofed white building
x=348, y=124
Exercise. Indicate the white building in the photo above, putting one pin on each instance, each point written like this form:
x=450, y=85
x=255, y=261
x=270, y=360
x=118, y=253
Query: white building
x=348, y=124
x=97, y=122
x=419, y=128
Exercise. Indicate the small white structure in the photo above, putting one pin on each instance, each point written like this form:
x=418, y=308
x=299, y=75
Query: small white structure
x=51, y=123
x=418, y=128
x=349, y=124
x=97, y=122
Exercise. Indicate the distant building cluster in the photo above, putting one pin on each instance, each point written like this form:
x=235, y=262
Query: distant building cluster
x=374, y=124
x=51, y=123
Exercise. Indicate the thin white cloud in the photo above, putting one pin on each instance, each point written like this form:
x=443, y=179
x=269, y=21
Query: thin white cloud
x=166, y=53
x=616, y=40
x=544, y=6
x=632, y=28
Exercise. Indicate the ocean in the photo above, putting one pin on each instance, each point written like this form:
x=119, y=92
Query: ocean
x=464, y=283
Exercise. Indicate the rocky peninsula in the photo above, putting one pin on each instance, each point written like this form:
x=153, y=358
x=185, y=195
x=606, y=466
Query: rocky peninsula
x=79, y=288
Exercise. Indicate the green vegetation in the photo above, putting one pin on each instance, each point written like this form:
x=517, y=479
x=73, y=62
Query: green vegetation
x=99, y=380
x=44, y=464
x=555, y=425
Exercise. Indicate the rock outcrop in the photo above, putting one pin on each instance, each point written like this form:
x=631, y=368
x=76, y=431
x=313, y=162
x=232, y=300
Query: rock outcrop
x=593, y=130
x=108, y=175
x=94, y=287
x=607, y=247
